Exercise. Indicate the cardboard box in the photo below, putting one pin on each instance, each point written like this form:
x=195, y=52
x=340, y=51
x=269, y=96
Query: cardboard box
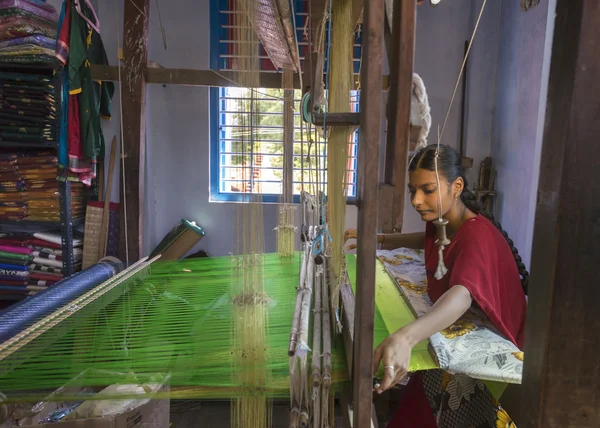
x=139, y=413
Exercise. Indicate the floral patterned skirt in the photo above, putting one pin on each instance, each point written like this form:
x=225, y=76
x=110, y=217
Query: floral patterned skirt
x=436, y=398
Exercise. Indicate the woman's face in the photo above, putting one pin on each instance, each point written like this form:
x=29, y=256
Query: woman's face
x=423, y=190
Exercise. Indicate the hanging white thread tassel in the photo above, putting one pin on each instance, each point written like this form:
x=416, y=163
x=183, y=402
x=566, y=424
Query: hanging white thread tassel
x=442, y=241
x=441, y=268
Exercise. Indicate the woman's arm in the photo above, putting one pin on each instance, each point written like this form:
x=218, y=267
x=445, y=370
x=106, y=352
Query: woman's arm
x=395, y=349
x=390, y=241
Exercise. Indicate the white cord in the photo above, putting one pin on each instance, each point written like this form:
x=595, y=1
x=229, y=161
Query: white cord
x=124, y=201
x=462, y=68
x=440, y=133
x=441, y=269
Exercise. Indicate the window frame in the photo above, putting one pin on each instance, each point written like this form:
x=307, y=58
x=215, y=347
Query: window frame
x=215, y=194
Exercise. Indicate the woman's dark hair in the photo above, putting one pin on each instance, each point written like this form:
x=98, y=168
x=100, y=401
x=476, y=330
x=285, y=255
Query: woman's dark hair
x=450, y=167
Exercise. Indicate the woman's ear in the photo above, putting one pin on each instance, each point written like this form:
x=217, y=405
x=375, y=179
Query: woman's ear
x=458, y=186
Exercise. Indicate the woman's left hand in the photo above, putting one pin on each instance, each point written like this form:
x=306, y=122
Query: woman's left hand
x=394, y=354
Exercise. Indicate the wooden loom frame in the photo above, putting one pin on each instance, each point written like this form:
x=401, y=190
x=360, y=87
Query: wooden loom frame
x=553, y=295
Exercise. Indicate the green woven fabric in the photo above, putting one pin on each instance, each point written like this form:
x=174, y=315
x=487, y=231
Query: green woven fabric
x=391, y=313
x=176, y=321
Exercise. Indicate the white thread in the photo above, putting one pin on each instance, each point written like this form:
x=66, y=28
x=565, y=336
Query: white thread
x=441, y=268
x=124, y=201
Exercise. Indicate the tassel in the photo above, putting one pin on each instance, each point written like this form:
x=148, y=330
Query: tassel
x=442, y=241
x=441, y=268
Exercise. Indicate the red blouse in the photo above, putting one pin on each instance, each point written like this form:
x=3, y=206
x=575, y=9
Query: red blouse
x=479, y=259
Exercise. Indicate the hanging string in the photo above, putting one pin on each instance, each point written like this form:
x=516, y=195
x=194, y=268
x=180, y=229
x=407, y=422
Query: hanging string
x=124, y=201
x=441, y=223
x=462, y=68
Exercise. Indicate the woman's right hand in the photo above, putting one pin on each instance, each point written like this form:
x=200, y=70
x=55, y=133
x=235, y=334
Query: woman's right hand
x=350, y=234
x=353, y=234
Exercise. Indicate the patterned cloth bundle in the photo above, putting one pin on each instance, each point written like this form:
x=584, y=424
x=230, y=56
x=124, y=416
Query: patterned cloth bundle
x=29, y=188
x=28, y=31
x=28, y=107
x=31, y=263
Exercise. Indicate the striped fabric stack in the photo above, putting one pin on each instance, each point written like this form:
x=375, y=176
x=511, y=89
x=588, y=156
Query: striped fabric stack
x=28, y=107
x=31, y=263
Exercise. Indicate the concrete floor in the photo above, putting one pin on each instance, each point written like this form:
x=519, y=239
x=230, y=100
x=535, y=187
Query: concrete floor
x=216, y=414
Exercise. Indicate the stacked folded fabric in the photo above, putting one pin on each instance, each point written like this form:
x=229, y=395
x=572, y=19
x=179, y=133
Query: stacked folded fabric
x=29, y=188
x=28, y=108
x=14, y=271
x=28, y=30
x=31, y=263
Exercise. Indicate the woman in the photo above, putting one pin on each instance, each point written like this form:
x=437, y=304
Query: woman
x=484, y=268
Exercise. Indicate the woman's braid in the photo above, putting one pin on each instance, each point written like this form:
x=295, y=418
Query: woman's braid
x=471, y=202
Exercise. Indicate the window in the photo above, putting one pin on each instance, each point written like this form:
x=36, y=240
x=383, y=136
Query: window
x=237, y=167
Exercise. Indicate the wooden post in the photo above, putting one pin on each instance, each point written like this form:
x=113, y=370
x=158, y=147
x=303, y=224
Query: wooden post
x=562, y=369
x=368, y=178
x=135, y=58
x=401, y=56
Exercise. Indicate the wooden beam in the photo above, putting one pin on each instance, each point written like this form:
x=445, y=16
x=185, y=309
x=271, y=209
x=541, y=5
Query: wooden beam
x=399, y=102
x=368, y=179
x=562, y=370
x=186, y=77
x=135, y=57
x=337, y=119
x=348, y=322
x=175, y=76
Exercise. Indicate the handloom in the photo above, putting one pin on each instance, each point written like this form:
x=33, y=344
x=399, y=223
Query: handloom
x=174, y=318
x=251, y=327
x=169, y=317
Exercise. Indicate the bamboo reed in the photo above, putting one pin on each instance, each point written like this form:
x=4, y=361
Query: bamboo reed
x=298, y=307
x=327, y=357
x=304, y=419
x=316, y=356
x=302, y=349
x=337, y=145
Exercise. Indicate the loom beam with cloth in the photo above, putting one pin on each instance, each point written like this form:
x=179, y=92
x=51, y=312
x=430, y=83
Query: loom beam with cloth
x=304, y=336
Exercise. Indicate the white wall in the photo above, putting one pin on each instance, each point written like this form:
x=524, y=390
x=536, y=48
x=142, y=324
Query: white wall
x=523, y=68
x=177, y=145
x=441, y=34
